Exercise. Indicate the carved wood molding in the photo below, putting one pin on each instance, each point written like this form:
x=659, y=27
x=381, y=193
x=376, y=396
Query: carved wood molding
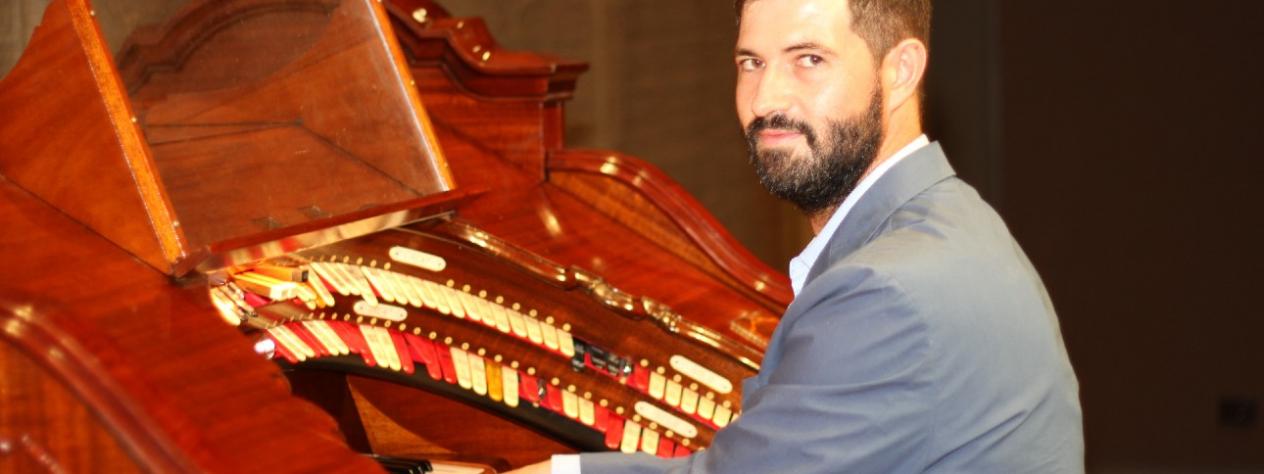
x=24, y=327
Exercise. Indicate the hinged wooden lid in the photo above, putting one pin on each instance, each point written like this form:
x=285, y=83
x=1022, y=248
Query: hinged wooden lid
x=221, y=120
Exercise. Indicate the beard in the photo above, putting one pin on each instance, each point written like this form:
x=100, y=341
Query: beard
x=823, y=180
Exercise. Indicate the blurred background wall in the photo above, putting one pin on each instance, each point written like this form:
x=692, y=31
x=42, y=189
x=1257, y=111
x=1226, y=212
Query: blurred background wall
x=1116, y=138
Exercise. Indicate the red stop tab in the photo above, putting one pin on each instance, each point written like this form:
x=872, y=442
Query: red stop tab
x=424, y=352
x=640, y=378
x=445, y=362
x=666, y=448
x=528, y=387
x=614, y=432
x=553, y=396
x=405, y=354
x=308, y=338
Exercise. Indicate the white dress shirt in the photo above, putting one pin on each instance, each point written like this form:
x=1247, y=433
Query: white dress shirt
x=801, y=264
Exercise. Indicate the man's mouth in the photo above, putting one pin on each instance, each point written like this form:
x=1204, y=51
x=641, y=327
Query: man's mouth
x=776, y=137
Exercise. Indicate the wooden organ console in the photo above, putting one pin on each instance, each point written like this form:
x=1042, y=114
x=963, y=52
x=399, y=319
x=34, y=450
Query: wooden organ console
x=224, y=182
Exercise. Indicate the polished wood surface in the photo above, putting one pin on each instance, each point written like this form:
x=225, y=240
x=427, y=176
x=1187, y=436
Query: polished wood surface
x=597, y=241
x=250, y=106
x=178, y=389
x=48, y=429
x=68, y=123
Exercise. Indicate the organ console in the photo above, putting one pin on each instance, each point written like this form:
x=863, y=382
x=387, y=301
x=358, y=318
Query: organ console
x=305, y=235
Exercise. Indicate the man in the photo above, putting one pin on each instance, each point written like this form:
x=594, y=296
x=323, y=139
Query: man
x=920, y=337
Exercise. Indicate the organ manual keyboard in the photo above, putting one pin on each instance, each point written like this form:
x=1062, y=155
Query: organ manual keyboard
x=193, y=187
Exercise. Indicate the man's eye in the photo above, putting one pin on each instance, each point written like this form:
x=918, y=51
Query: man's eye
x=749, y=64
x=810, y=60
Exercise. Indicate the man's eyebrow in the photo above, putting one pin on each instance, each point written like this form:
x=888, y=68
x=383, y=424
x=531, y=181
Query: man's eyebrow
x=806, y=45
x=744, y=52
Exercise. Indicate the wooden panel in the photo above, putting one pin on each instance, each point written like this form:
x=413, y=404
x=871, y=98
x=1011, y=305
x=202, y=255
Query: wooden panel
x=180, y=386
x=45, y=428
x=68, y=138
x=436, y=422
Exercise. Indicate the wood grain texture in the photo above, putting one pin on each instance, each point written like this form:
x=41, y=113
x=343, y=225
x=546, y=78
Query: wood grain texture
x=44, y=427
x=175, y=385
x=69, y=139
x=252, y=107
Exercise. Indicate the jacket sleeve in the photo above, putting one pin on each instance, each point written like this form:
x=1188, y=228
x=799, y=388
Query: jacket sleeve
x=846, y=389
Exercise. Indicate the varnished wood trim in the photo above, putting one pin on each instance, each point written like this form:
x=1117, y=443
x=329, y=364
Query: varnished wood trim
x=461, y=37
x=387, y=34
x=82, y=371
x=135, y=150
x=692, y=219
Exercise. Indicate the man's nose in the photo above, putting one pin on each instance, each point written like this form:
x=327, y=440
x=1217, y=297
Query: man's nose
x=773, y=94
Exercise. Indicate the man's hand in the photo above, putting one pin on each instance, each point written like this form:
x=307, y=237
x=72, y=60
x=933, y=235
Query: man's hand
x=545, y=467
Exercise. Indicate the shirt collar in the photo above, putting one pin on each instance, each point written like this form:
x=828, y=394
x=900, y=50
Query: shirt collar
x=802, y=264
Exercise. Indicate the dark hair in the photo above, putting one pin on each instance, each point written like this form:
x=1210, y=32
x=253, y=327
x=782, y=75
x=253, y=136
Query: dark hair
x=883, y=23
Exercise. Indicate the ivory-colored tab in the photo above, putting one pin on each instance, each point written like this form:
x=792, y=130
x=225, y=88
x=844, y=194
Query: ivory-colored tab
x=706, y=406
x=292, y=343
x=667, y=420
x=631, y=437
x=384, y=286
x=533, y=331
x=461, y=360
x=499, y=318
x=288, y=344
x=549, y=334
x=428, y=297
x=387, y=345
x=689, y=401
x=723, y=414
x=570, y=402
x=478, y=374
x=307, y=295
x=417, y=258
x=349, y=280
x=375, y=346
x=380, y=311
x=649, y=441
x=517, y=322
x=436, y=292
x=356, y=278
x=702, y=374
x=468, y=306
x=587, y=412
x=409, y=292
x=327, y=275
x=327, y=336
x=509, y=379
x=298, y=343
x=454, y=301
x=565, y=341
x=658, y=383
x=672, y=395
x=326, y=298
x=378, y=283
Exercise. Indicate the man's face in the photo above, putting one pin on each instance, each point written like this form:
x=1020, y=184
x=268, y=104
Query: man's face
x=808, y=98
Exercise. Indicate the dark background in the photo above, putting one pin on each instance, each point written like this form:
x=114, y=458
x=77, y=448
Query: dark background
x=1117, y=138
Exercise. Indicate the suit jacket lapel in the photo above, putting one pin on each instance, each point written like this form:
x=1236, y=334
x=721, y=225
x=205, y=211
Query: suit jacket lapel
x=908, y=178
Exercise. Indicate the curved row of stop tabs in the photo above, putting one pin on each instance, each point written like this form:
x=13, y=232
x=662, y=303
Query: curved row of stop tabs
x=401, y=348
x=379, y=287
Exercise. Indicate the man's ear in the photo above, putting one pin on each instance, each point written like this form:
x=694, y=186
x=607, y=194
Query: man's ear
x=902, y=71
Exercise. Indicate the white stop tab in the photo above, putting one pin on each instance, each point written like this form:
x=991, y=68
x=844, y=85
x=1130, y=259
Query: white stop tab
x=417, y=258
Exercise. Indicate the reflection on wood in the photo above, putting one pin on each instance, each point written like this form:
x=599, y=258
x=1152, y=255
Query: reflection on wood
x=571, y=278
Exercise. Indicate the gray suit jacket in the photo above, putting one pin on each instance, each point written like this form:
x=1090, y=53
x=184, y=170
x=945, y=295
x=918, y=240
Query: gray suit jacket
x=923, y=340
